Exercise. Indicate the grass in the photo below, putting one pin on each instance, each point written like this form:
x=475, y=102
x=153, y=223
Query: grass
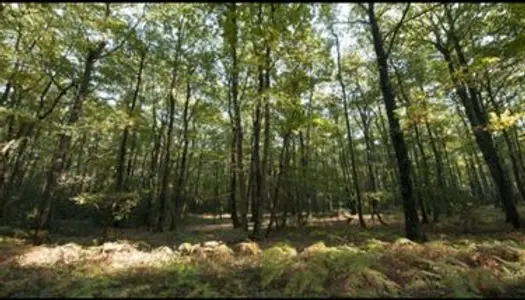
x=327, y=258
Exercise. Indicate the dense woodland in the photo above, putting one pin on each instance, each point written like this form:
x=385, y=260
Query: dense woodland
x=136, y=115
x=188, y=149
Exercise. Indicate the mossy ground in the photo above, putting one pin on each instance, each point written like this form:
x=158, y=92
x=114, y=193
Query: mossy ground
x=327, y=258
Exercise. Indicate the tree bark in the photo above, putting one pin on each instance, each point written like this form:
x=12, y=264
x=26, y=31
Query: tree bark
x=237, y=117
x=478, y=121
x=232, y=199
x=60, y=155
x=282, y=170
x=520, y=183
x=163, y=195
x=180, y=186
x=349, y=134
x=119, y=178
x=412, y=226
x=261, y=174
x=438, y=198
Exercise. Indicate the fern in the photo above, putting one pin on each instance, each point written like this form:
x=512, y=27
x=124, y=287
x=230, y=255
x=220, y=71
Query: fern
x=307, y=280
x=274, y=261
x=315, y=248
x=373, y=245
x=369, y=283
x=461, y=286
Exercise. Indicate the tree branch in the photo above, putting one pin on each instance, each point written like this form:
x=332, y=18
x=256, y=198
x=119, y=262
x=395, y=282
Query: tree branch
x=396, y=30
x=125, y=39
x=414, y=17
x=56, y=100
x=44, y=93
x=363, y=22
x=404, y=20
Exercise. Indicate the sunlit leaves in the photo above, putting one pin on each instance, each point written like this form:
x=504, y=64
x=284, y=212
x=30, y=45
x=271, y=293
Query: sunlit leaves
x=505, y=120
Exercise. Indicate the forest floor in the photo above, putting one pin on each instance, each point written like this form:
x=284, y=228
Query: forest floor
x=326, y=258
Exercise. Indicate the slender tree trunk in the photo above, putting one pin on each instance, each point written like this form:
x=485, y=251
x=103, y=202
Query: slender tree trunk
x=412, y=226
x=519, y=153
x=199, y=172
x=282, y=170
x=510, y=146
x=232, y=201
x=349, y=134
x=372, y=185
x=478, y=120
x=262, y=174
x=344, y=167
x=132, y=160
x=303, y=194
x=12, y=173
x=119, y=178
x=216, y=190
x=438, y=198
x=423, y=166
x=485, y=184
x=392, y=172
x=163, y=195
x=153, y=174
x=256, y=162
x=237, y=116
x=266, y=154
x=418, y=187
x=306, y=154
x=60, y=155
x=180, y=187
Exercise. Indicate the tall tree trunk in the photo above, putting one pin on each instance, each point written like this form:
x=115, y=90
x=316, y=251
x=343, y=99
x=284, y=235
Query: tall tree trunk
x=510, y=146
x=197, y=180
x=119, y=178
x=60, y=155
x=132, y=159
x=519, y=153
x=255, y=155
x=418, y=187
x=216, y=191
x=10, y=173
x=265, y=170
x=478, y=120
x=352, y=205
x=393, y=171
x=305, y=142
x=486, y=186
x=153, y=174
x=438, y=198
x=232, y=201
x=163, y=195
x=237, y=115
x=282, y=170
x=262, y=185
x=180, y=186
x=369, y=156
x=423, y=166
x=303, y=174
x=412, y=226
x=349, y=134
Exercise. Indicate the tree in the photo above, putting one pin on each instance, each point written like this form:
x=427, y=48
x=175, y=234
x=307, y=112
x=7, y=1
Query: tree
x=412, y=227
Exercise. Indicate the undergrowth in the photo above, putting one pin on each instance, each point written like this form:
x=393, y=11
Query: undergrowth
x=371, y=269
x=373, y=263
